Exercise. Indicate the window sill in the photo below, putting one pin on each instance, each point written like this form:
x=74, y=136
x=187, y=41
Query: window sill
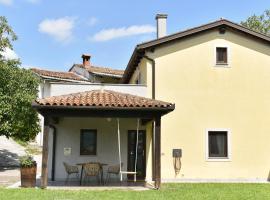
x=88, y=155
x=222, y=65
x=218, y=159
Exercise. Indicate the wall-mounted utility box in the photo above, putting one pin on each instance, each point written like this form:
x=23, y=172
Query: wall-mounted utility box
x=67, y=151
x=177, y=153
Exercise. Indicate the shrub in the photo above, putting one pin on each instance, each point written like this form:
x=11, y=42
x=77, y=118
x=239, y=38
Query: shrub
x=27, y=161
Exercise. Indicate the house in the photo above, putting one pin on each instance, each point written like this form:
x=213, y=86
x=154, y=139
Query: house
x=217, y=77
x=84, y=73
x=96, y=74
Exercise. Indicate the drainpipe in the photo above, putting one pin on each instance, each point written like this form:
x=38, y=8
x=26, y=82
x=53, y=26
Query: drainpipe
x=153, y=75
x=53, y=152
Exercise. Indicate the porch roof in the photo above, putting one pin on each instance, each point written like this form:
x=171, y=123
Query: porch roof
x=101, y=103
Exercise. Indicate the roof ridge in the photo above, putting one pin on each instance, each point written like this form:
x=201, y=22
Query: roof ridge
x=107, y=68
x=200, y=26
x=101, y=70
x=34, y=68
x=98, y=66
x=140, y=48
x=181, y=31
x=58, y=74
x=102, y=98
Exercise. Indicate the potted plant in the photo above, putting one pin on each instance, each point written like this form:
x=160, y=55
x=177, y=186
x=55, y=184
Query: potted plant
x=28, y=171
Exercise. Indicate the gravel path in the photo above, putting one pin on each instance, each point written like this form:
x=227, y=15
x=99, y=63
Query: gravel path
x=10, y=152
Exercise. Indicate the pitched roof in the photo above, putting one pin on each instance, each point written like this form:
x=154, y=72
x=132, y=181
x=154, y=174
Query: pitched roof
x=102, y=99
x=105, y=71
x=60, y=75
x=139, y=50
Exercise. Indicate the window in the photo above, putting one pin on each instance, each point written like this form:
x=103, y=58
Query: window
x=218, y=144
x=88, y=143
x=221, y=55
x=138, y=80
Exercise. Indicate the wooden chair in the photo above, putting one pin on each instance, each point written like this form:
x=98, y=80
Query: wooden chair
x=92, y=170
x=113, y=169
x=71, y=170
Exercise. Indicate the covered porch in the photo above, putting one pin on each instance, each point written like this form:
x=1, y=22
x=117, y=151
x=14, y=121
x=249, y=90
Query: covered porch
x=121, y=128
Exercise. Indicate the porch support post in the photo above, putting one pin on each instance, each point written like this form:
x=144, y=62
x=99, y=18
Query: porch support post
x=44, y=166
x=157, y=152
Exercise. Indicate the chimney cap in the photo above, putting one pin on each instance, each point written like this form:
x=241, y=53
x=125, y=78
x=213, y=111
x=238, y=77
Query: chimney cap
x=86, y=55
x=158, y=16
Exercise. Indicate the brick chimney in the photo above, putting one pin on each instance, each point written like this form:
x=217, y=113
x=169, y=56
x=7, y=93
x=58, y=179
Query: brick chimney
x=86, y=60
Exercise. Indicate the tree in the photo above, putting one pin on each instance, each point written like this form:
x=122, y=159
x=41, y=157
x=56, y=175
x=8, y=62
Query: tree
x=259, y=23
x=18, y=88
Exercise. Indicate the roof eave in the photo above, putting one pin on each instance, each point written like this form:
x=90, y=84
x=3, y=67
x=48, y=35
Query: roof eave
x=142, y=47
x=127, y=74
x=107, y=75
x=42, y=109
x=61, y=79
x=199, y=29
x=38, y=106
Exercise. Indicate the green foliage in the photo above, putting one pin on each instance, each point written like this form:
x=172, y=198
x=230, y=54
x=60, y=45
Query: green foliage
x=259, y=23
x=27, y=161
x=7, y=35
x=18, y=88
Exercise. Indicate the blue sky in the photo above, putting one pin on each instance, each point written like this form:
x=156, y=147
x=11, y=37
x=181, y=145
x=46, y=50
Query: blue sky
x=53, y=34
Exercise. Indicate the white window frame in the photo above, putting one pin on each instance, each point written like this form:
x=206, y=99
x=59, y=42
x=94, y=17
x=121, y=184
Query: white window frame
x=228, y=56
x=217, y=159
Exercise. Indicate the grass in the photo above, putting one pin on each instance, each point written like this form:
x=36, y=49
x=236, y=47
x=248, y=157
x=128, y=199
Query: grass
x=29, y=148
x=20, y=142
x=215, y=191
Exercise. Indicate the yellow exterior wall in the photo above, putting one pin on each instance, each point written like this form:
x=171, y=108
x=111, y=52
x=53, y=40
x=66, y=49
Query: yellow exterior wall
x=145, y=70
x=236, y=97
x=148, y=162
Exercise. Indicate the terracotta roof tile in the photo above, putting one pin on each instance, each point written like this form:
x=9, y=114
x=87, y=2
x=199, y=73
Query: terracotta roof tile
x=54, y=74
x=102, y=98
x=102, y=70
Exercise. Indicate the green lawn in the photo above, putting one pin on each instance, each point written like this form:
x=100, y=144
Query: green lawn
x=168, y=191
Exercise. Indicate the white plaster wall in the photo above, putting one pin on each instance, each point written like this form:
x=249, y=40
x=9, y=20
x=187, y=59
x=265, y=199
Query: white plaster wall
x=68, y=135
x=81, y=71
x=39, y=137
x=46, y=89
x=61, y=89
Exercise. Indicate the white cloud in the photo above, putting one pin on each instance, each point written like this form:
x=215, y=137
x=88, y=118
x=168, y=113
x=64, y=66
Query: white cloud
x=9, y=54
x=109, y=34
x=10, y=2
x=92, y=21
x=60, y=29
x=146, y=38
x=6, y=2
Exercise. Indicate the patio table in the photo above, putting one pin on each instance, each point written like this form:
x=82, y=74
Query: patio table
x=101, y=170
